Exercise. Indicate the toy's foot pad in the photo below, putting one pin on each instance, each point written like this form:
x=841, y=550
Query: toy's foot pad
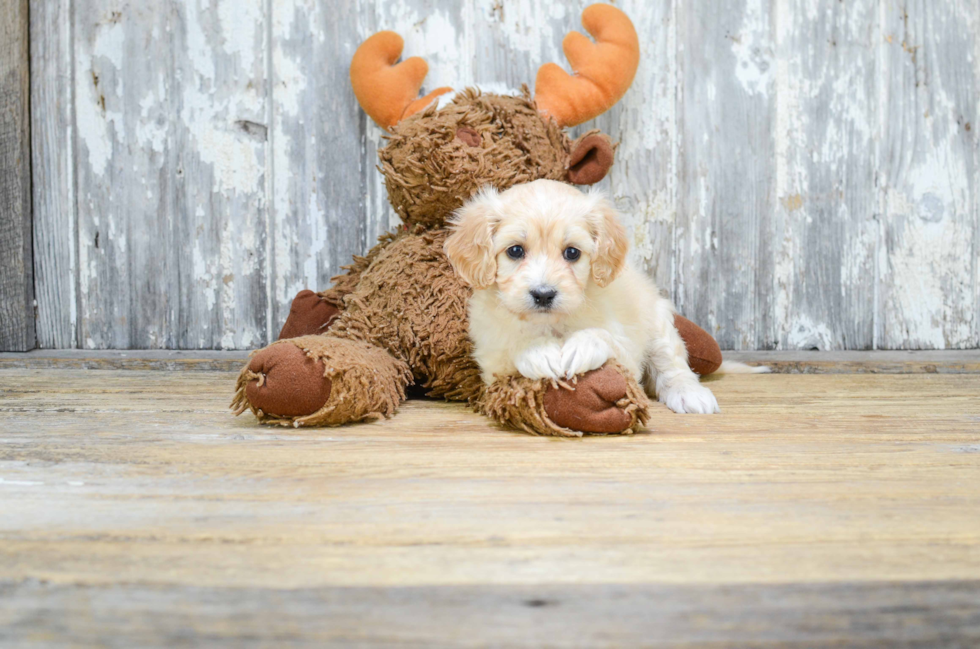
x=308, y=314
x=285, y=382
x=594, y=405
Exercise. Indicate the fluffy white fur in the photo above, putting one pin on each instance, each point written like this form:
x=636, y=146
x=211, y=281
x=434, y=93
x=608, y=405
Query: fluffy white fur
x=602, y=309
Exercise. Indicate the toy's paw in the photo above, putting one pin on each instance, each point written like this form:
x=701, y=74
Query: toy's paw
x=287, y=382
x=309, y=314
x=592, y=407
x=690, y=397
x=582, y=352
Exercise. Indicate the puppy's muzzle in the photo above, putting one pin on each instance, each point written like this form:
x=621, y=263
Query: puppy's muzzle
x=543, y=297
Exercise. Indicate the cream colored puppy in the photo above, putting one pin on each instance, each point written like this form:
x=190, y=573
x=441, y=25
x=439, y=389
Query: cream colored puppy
x=554, y=295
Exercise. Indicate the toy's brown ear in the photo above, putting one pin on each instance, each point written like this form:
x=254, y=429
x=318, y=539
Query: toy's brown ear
x=591, y=159
x=470, y=246
x=388, y=93
x=604, y=70
x=612, y=244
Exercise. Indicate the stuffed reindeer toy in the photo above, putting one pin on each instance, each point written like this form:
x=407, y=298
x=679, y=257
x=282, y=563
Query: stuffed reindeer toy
x=398, y=316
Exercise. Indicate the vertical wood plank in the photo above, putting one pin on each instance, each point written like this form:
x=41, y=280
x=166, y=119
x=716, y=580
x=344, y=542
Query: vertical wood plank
x=927, y=269
x=825, y=233
x=16, y=258
x=128, y=284
x=318, y=148
x=171, y=115
x=726, y=179
x=52, y=154
x=219, y=166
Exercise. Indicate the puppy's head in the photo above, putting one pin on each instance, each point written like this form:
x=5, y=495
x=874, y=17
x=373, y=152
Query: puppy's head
x=539, y=245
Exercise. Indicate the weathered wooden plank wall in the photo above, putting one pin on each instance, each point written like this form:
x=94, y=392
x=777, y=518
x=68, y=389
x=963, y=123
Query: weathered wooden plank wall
x=796, y=173
x=16, y=265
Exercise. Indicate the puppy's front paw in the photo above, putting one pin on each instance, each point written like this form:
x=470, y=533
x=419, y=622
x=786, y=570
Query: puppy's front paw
x=582, y=352
x=691, y=398
x=541, y=361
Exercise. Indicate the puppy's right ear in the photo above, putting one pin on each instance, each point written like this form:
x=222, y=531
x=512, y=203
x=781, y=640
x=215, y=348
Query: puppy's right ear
x=470, y=246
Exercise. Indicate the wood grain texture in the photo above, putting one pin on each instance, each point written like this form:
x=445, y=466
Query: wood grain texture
x=814, y=510
x=726, y=186
x=171, y=163
x=16, y=257
x=825, y=233
x=219, y=163
x=919, y=614
x=797, y=174
x=52, y=155
x=125, y=191
x=929, y=161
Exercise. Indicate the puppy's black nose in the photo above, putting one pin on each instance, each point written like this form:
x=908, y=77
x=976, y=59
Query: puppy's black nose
x=543, y=296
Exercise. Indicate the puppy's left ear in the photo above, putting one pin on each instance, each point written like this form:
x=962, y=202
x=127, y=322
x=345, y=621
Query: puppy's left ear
x=612, y=244
x=470, y=246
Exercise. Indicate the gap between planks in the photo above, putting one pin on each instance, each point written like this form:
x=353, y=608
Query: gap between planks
x=783, y=362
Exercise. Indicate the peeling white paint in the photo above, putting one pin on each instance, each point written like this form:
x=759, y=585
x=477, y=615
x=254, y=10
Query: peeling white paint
x=753, y=50
x=240, y=24
x=804, y=333
x=804, y=61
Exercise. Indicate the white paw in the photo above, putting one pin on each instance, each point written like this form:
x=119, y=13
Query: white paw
x=540, y=361
x=691, y=398
x=583, y=351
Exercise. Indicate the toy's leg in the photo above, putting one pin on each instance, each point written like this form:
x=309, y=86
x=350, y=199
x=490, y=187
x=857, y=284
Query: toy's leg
x=311, y=313
x=321, y=381
x=604, y=401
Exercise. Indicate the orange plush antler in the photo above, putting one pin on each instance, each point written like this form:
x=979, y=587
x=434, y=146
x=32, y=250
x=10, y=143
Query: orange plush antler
x=604, y=70
x=387, y=92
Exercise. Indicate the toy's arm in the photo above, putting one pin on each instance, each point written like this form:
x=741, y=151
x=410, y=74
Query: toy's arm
x=603, y=401
x=312, y=313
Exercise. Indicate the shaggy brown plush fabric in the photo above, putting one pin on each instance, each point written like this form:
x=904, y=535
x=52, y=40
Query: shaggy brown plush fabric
x=430, y=170
x=413, y=305
x=703, y=352
x=541, y=408
x=365, y=382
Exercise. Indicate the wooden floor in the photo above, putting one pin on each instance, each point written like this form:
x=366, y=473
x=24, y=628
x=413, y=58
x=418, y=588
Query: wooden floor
x=816, y=510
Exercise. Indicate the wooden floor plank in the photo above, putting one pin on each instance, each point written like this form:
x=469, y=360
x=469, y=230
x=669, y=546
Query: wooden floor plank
x=921, y=614
x=126, y=493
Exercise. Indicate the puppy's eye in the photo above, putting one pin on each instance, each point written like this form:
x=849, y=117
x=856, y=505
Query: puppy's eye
x=516, y=252
x=572, y=254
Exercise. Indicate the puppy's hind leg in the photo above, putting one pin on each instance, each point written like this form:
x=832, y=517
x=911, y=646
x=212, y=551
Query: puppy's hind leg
x=668, y=376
